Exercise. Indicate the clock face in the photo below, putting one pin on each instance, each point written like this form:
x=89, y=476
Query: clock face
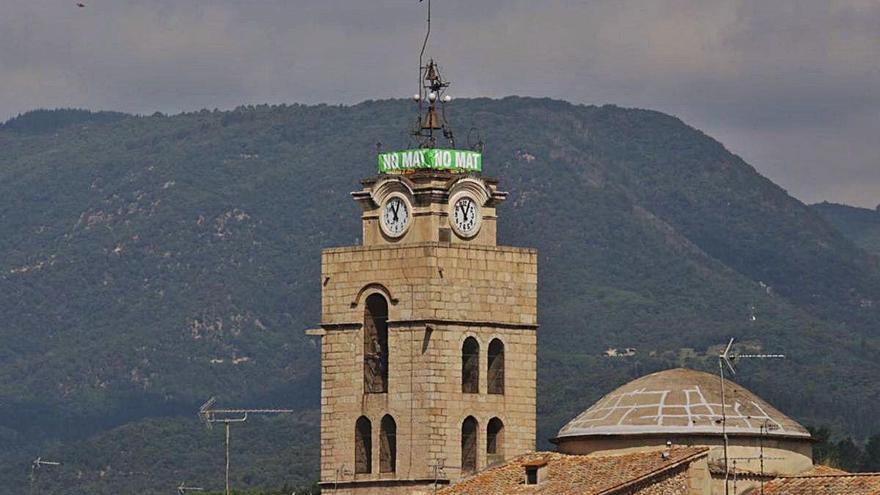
x=466, y=216
x=395, y=217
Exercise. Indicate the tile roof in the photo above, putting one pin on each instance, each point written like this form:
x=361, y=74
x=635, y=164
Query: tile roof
x=574, y=474
x=831, y=484
x=820, y=470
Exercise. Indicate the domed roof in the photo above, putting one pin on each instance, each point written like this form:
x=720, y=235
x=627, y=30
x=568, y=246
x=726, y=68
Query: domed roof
x=681, y=401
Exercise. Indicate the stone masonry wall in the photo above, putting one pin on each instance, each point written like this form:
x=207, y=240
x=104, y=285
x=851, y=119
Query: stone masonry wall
x=433, y=281
x=439, y=295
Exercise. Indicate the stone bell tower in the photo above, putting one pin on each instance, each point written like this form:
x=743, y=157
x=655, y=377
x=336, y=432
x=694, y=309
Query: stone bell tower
x=429, y=338
x=429, y=328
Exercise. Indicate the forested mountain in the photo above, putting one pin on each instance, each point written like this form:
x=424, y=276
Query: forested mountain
x=148, y=263
x=859, y=224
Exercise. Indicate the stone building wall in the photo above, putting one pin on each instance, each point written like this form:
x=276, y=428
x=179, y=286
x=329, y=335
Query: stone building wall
x=438, y=295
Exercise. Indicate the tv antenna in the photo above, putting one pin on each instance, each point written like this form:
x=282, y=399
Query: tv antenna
x=36, y=464
x=228, y=416
x=182, y=489
x=432, y=87
x=765, y=427
x=726, y=358
x=341, y=472
x=438, y=470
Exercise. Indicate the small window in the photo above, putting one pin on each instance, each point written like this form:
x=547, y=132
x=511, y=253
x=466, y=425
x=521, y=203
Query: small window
x=388, y=445
x=496, y=367
x=494, y=440
x=363, y=446
x=470, y=366
x=375, y=345
x=532, y=475
x=536, y=472
x=469, y=445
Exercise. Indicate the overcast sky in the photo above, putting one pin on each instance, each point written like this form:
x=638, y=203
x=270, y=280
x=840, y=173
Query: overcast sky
x=793, y=86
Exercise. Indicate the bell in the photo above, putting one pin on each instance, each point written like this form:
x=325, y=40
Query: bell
x=432, y=74
x=431, y=121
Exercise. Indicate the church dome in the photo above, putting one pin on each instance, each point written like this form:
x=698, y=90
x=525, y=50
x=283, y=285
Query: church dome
x=681, y=401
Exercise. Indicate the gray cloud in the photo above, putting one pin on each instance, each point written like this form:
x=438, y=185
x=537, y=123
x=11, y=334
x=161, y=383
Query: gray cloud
x=792, y=86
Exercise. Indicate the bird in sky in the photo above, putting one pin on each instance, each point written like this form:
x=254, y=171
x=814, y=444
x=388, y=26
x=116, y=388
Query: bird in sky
x=80, y=4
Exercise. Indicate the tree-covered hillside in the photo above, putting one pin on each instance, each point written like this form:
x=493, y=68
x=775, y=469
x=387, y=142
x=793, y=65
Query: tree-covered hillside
x=148, y=263
x=859, y=224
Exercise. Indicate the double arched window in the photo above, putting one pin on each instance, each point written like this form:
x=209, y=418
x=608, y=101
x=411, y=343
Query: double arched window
x=494, y=443
x=363, y=445
x=376, y=345
x=470, y=367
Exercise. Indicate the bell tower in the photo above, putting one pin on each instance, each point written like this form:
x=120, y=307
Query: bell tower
x=428, y=339
x=428, y=329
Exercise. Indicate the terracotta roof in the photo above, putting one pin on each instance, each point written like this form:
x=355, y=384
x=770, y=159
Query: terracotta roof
x=820, y=470
x=832, y=484
x=681, y=401
x=574, y=474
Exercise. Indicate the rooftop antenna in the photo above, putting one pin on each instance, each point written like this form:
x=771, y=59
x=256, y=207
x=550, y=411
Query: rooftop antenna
x=228, y=416
x=432, y=87
x=35, y=467
x=341, y=472
x=726, y=358
x=437, y=468
x=182, y=488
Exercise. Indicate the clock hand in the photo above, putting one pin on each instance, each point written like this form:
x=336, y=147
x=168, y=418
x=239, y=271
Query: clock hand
x=394, y=210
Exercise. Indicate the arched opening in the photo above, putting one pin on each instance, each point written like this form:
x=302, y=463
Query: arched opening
x=363, y=446
x=470, y=366
x=387, y=445
x=494, y=441
x=496, y=367
x=469, y=445
x=375, y=345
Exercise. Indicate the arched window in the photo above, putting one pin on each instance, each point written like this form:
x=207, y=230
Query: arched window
x=363, y=446
x=496, y=367
x=494, y=441
x=387, y=445
x=470, y=366
x=469, y=445
x=376, y=345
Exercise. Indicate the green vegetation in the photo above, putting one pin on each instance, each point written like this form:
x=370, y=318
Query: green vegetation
x=859, y=224
x=42, y=121
x=845, y=453
x=148, y=263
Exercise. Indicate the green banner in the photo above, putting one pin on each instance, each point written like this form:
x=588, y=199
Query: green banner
x=430, y=158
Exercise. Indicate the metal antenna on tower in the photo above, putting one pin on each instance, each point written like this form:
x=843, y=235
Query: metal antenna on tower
x=431, y=88
x=182, y=488
x=725, y=358
x=35, y=466
x=437, y=468
x=228, y=416
x=343, y=472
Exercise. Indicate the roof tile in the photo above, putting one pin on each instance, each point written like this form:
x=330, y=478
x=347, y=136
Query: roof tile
x=573, y=474
x=832, y=484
